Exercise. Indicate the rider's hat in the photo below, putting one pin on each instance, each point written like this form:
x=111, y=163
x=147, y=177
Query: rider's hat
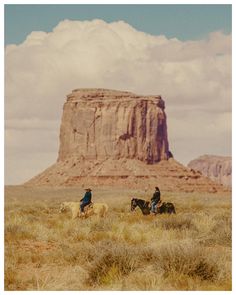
x=88, y=189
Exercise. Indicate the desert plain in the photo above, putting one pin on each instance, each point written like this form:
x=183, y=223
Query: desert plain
x=47, y=250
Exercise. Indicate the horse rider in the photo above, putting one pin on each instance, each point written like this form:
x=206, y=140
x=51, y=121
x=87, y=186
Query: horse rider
x=86, y=200
x=155, y=199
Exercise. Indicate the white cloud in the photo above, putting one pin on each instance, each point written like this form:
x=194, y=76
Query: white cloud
x=194, y=78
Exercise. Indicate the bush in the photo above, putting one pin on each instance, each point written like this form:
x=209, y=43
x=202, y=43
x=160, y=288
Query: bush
x=180, y=222
x=186, y=259
x=17, y=232
x=114, y=261
x=10, y=278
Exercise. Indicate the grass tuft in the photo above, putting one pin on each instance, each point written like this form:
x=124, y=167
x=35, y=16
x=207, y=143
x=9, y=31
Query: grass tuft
x=113, y=262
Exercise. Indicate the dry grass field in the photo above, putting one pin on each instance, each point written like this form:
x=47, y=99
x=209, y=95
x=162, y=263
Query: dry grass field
x=45, y=250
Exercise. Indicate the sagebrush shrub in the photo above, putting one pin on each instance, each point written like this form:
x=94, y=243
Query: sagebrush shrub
x=187, y=259
x=178, y=222
x=118, y=259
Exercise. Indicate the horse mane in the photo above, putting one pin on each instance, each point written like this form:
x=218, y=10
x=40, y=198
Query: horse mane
x=143, y=203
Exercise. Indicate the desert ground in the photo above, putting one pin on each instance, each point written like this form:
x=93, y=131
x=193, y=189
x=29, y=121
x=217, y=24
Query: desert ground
x=46, y=250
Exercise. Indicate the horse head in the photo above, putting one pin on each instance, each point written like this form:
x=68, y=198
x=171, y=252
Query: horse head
x=62, y=207
x=133, y=204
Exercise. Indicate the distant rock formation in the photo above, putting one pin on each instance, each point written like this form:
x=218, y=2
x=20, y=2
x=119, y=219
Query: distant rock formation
x=218, y=168
x=117, y=138
x=98, y=124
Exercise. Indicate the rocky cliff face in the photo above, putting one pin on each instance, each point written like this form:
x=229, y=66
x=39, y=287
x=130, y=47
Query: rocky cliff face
x=117, y=138
x=217, y=168
x=98, y=124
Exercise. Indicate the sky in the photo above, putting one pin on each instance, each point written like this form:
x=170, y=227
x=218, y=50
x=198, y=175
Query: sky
x=182, y=52
x=169, y=20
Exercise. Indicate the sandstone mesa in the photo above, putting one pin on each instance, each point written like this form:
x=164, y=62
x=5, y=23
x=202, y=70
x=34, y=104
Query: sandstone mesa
x=217, y=168
x=117, y=138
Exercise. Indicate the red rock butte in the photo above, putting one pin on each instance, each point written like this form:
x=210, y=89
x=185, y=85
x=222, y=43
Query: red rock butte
x=217, y=168
x=117, y=138
x=98, y=124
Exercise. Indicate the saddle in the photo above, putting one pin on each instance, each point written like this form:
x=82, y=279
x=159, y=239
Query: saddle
x=89, y=206
x=158, y=205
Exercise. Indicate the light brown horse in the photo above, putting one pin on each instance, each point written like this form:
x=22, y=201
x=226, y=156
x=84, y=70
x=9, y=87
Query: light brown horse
x=97, y=209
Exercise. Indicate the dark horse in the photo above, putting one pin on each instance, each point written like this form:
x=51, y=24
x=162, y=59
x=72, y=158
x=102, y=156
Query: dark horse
x=144, y=206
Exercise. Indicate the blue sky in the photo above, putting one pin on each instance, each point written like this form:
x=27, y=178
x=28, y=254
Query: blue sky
x=185, y=22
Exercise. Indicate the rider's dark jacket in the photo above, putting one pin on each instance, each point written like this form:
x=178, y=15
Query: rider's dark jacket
x=156, y=196
x=87, y=197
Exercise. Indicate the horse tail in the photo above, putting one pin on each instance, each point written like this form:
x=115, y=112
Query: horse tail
x=104, y=211
x=173, y=209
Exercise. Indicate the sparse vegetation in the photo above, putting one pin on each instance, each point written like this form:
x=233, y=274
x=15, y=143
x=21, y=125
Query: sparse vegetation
x=45, y=250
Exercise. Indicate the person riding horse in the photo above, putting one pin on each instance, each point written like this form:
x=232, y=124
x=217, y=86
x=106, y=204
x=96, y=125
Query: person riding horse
x=165, y=207
x=155, y=199
x=86, y=200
